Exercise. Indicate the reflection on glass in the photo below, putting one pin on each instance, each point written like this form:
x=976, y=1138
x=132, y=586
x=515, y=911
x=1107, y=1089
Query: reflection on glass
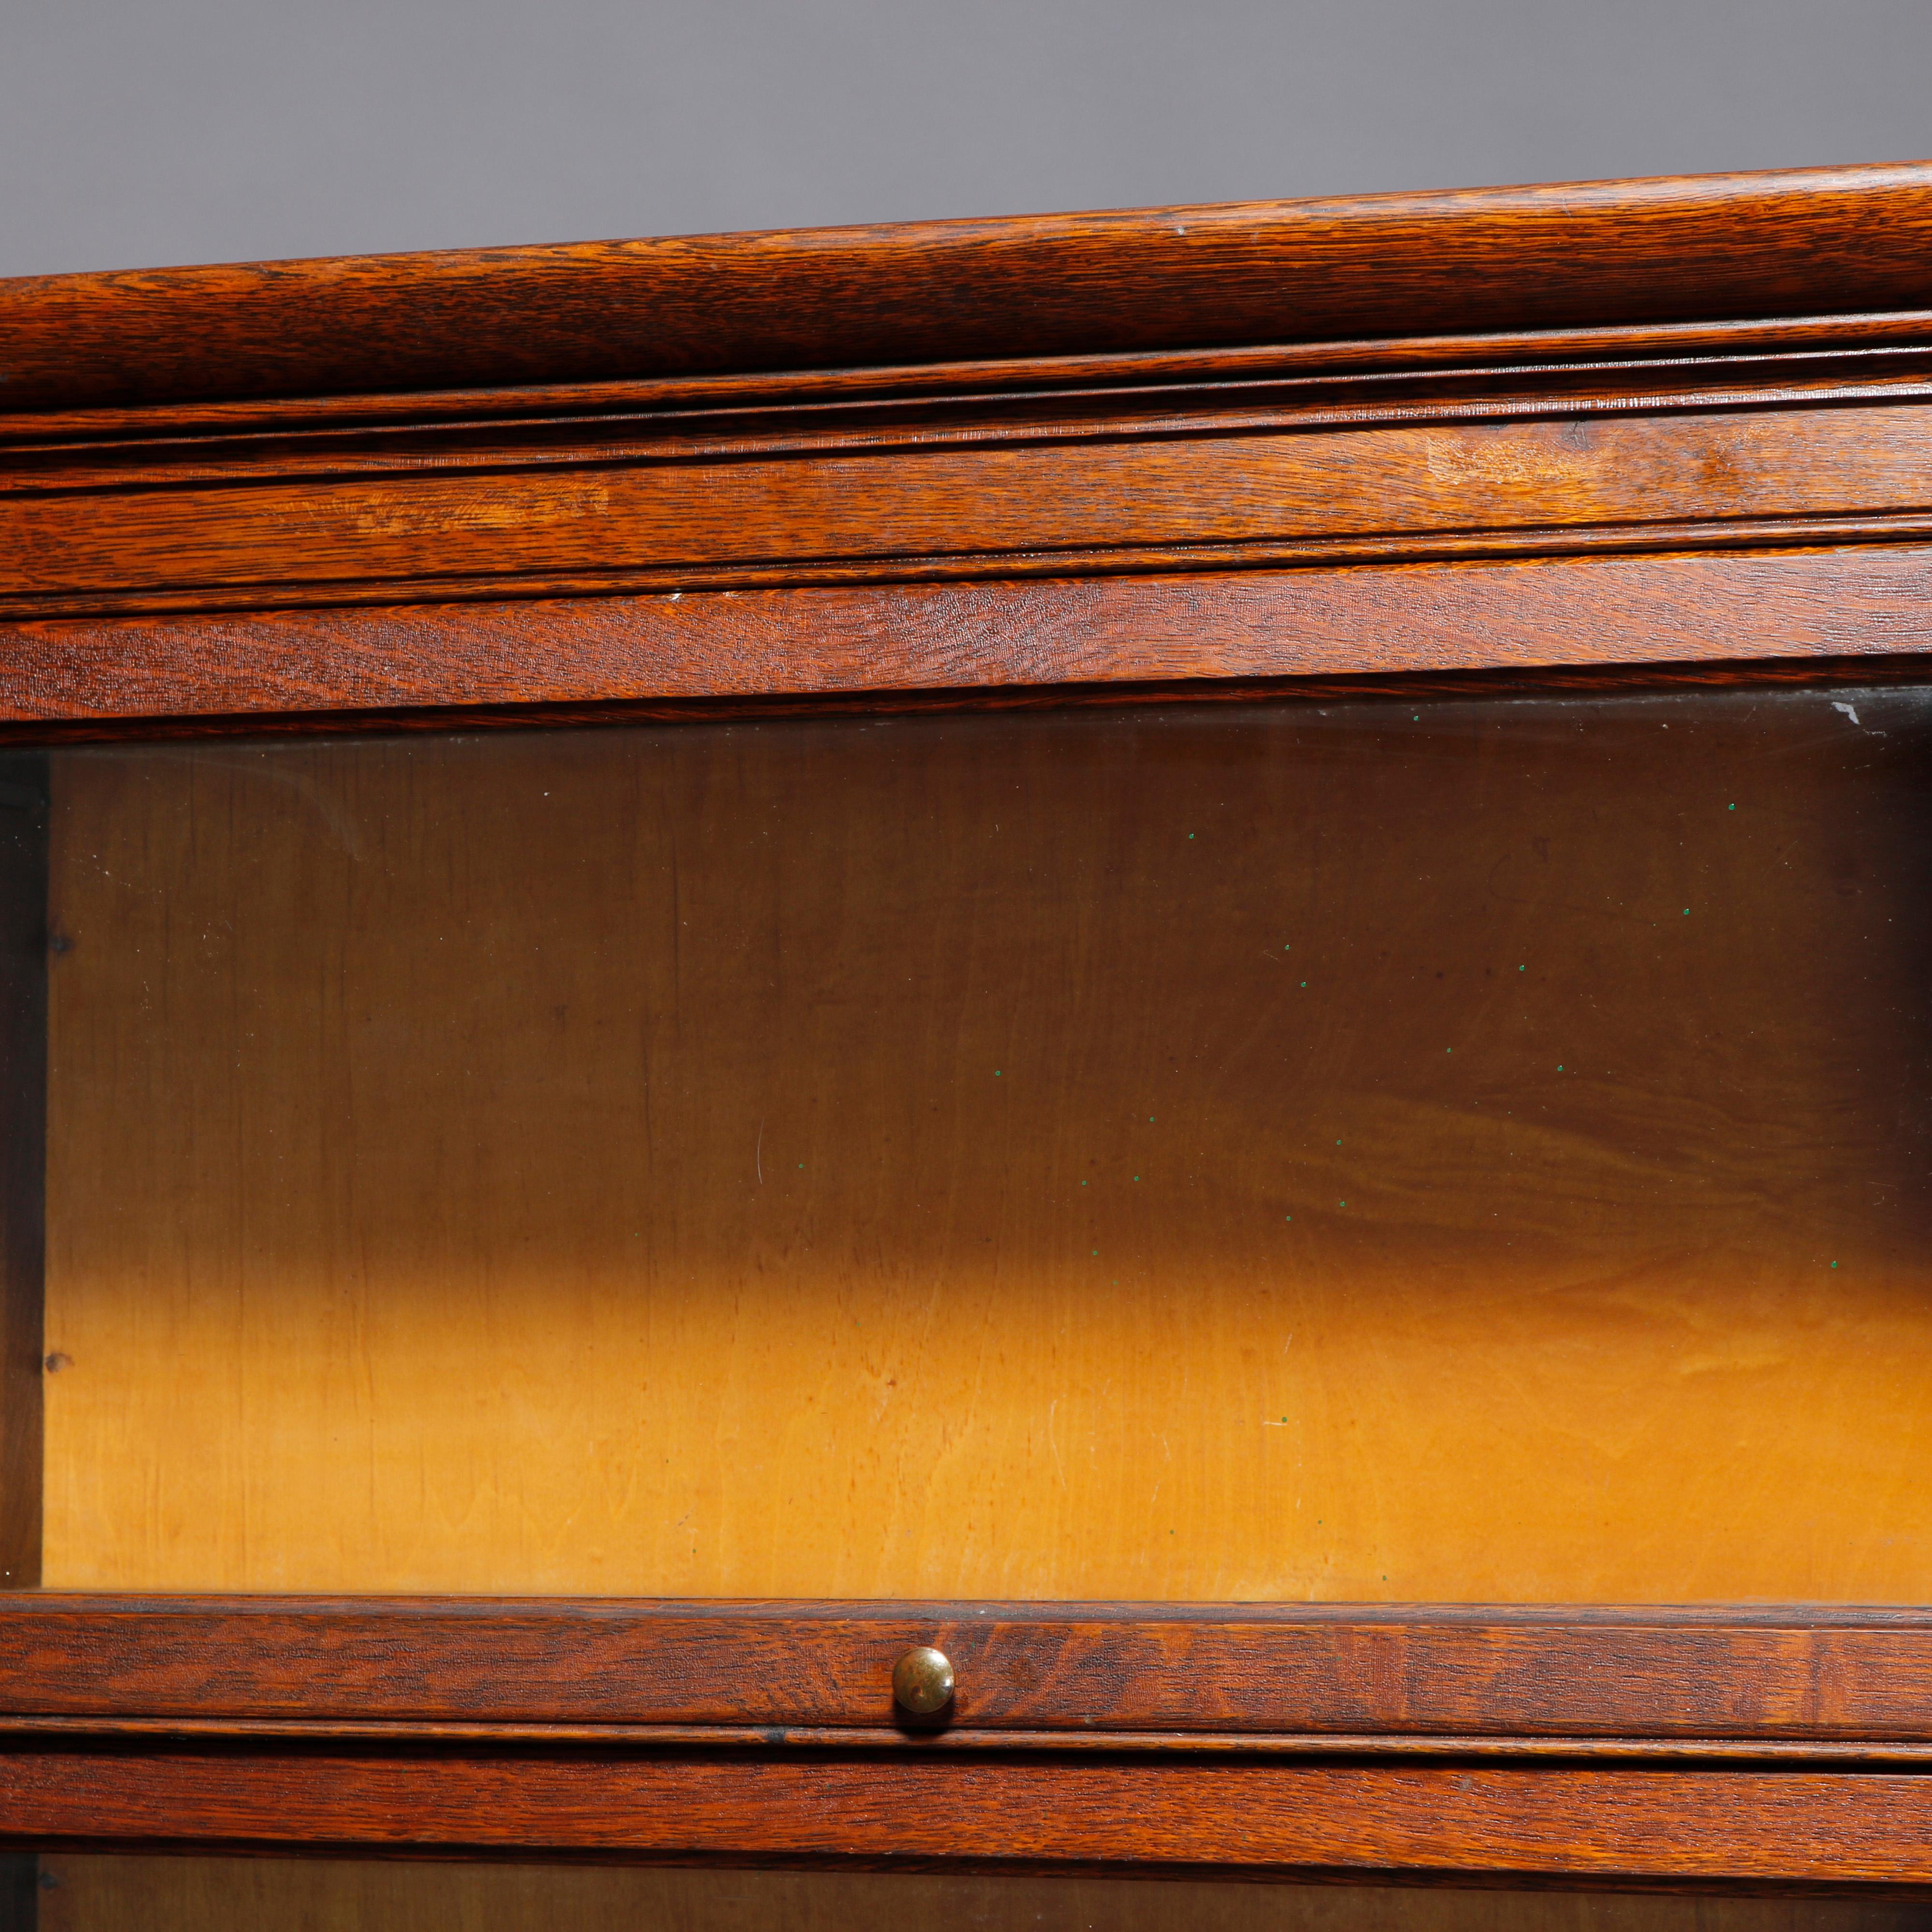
x=1432, y=1150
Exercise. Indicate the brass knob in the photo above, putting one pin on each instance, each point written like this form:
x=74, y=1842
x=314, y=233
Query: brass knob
x=922, y=1680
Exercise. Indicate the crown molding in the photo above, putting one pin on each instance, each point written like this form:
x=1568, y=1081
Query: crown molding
x=1691, y=250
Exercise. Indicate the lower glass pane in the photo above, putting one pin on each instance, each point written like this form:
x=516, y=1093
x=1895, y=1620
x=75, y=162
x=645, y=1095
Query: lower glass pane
x=110, y=1894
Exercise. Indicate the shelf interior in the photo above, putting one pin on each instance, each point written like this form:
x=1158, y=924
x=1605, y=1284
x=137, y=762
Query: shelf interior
x=1445, y=1150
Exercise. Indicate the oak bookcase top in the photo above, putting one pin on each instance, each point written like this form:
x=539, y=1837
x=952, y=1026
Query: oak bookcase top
x=1659, y=253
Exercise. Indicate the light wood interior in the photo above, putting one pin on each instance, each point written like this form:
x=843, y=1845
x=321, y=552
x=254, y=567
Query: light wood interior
x=1454, y=1151
x=200, y=1894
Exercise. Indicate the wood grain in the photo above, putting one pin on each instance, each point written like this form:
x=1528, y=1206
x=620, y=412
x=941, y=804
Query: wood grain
x=1823, y=604
x=23, y=1076
x=724, y=1159
x=1617, y=1824
x=410, y=1103
x=550, y=430
x=83, y=1893
x=1657, y=356
x=1697, y=249
x=985, y=511
x=1280, y=1674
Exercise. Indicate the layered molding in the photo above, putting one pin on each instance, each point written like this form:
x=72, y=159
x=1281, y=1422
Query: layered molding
x=1839, y=611
x=1021, y=485
x=1682, y=353
x=1588, y=1744
x=1678, y=365
x=1700, y=249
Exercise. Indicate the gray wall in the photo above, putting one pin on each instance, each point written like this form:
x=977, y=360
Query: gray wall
x=139, y=132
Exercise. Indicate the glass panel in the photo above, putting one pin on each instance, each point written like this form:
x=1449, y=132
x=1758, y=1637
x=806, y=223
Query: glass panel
x=1467, y=1150
x=88, y=1894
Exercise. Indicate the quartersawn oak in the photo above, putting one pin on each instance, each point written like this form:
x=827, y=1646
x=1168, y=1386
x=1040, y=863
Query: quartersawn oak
x=1278, y=1673
x=1385, y=1807
x=1259, y=1819
x=1524, y=380
x=1181, y=445
x=1824, y=605
x=1848, y=240
x=981, y=507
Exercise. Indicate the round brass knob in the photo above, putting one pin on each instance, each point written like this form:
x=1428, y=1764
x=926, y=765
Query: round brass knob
x=922, y=1680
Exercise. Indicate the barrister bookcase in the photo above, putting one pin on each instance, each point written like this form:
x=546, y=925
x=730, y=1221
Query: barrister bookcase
x=1061, y=1071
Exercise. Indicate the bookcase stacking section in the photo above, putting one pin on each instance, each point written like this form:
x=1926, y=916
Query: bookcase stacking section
x=984, y=1073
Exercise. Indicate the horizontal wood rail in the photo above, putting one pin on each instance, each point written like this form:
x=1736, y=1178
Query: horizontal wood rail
x=1583, y=1745
x=1582, y=1825
x=1371, y=1674
x=1831, y=607
x=1193, y=489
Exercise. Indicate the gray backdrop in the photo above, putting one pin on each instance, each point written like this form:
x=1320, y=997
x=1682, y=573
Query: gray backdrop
x=140, y=132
